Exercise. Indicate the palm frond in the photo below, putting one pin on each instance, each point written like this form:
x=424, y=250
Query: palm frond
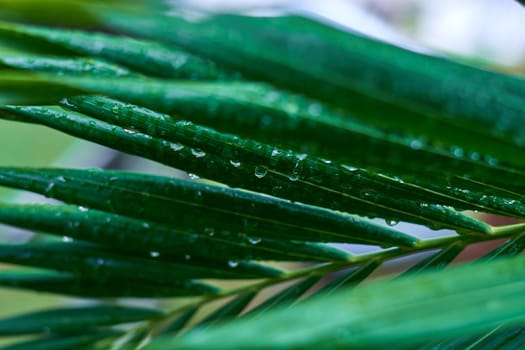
x=292, y=155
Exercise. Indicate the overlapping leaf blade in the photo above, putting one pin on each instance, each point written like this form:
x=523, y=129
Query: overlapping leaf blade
x=185, y=201
x=411, y=315
x=99, y=262
x=365, y=76
x=139, y=236
x=97, y=287
x=287, y=175
x=68, y=320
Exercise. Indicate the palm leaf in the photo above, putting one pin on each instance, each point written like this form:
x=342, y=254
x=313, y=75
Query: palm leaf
x=297, y=151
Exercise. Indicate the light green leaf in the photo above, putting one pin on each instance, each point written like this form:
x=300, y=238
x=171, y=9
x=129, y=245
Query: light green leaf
x=363, y=318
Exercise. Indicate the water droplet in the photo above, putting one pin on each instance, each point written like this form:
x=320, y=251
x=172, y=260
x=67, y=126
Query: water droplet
x=315, y=109
x=457, y=152
x=130, y=131
x=235, y=163
x=391, y=222
x=49, y=187
x=416, y=144
x=233, y=263
x=275, y=153
x=154, y=254
x=83, y=209
x=423, y=205
x=187, y=257
x=260, y=172
x=197, y=153
x=475, y=156
x=209, y=231
x=368, y=193
x=61, y=179
x=491, y=160
x=145, y=225
x=350, y=168
x=326, y=161
x=293, y=177
x=254, y=240
x=67, y=239
x=193, y=176
x=301, y=156
x=176, y=147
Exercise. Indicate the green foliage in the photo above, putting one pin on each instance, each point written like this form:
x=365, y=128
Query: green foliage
x=300, y=134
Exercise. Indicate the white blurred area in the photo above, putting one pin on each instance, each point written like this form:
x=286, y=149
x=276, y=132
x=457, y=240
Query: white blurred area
x=487, y=30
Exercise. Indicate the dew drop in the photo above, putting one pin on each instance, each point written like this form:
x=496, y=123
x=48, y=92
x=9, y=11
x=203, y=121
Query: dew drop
x=326, y=161
x=233, y=263
x=209, y=231
x=235, y=163
x=67, y=239
x=391, y=222
x=187, y=257
x=368, y=193
x=416, y=144
x=82, y=209
x=475, y=156
x=49, y=187
x=154, y=254
x=491, y=160
x=145, y=225
x=193, y=176
x=293, y=177
x=130, y=131
x=260, y=172
x=254, y=240
x=176, y=147
x=457, y=152
x=350, y=168
x=197, y=153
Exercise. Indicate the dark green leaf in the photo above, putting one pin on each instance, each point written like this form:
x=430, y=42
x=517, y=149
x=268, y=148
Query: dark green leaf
x=176, y=325
x=63, y=342
x=191, y=240
x=200, y=207
x=285, y=175
x=68, y=320
x=512, y=247
x=350, y=278
x=230, y=310
x=97, y=287
x=147, y=57
x=438, y=260
x=286, y=297
x=94, y=261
